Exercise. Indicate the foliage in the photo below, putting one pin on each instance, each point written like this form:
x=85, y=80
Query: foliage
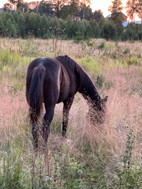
x=116, y=6
x=98, y=15
x=131, y=9
x=25, y=24
x=109, y=30
x=128, y=177
x=68, y=171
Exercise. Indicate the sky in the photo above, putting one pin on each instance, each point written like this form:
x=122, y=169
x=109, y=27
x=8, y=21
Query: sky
x=103, y=5
x=95, y=5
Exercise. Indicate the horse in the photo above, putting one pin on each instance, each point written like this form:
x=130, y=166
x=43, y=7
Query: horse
x=53, y=80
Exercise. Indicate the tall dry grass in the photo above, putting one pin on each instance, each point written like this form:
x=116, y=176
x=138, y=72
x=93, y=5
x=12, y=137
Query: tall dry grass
x=85, y=141
x=123, y=109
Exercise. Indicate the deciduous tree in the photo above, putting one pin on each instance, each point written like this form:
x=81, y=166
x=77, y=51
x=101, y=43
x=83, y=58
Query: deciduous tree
x=98, y=16
x=7, y=7
x=131, y=7
x=14, y=3
x=139, y=9
x=116, y=6
x=58, y=4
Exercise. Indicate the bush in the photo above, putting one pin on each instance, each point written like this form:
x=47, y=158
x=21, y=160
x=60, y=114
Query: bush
x=133, y=60
x=109, y=30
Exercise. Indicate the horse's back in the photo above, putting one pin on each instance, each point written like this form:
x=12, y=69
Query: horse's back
x=61, y=78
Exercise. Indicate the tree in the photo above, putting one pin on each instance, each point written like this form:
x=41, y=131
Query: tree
x=131, y=32
x=7, y=7
x=23, y=7
x=109, y=30
x=1, y=27
x=11, y=29
x=14, y=3
x=85, y=1
x=19, y=4
x=44, y=25
x=131, y=7
x=85, y=12
x=98, y=16
x=118, y=18
x=65, y=11
x=45, y=8
x=22, y=25
x=116, y=12
x=58, y=4
x=73, y=8
x=116, y=6
x=139, y=9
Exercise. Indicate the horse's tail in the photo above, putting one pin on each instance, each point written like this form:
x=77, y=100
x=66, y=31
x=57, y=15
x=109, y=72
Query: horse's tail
x=35, y=97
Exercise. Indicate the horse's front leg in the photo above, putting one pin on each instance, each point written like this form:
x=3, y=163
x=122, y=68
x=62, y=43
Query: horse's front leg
x=67, y=105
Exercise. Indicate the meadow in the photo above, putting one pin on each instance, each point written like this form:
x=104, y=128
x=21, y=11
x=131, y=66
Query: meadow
x=107, y=156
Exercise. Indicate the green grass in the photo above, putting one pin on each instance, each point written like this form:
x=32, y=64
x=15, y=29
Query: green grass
x=90, y=64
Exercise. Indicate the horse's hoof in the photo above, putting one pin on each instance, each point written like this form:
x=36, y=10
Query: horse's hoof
x=64, y=135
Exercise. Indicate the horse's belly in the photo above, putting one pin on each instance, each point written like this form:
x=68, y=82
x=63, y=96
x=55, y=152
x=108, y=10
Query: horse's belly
x=62, y=97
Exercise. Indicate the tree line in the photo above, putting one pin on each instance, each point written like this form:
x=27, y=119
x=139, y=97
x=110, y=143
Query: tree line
x=66, y=21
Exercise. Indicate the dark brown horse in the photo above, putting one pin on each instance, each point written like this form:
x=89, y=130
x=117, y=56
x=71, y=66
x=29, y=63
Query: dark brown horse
x=52, y=81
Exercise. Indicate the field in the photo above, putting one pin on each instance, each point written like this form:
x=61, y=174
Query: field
x=93, y=156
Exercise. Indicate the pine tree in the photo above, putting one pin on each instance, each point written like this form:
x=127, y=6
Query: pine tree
x=73, y=8
x=11, y=29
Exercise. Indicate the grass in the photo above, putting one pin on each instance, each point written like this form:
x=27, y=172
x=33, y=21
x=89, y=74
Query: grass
x=92, y=156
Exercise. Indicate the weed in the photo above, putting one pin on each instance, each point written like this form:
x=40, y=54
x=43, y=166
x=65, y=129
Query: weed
x=99, y=81
x=126, y=51
x=128, y=176
x=133, y=60
x=101, y=45
x=11, y=171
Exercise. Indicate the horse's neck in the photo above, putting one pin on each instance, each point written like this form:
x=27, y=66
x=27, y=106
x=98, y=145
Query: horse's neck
x=87, y=88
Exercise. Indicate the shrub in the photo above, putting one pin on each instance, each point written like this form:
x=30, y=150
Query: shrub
x=133, y=60
x=101, y=45
x=90, y=64
x=109, y=30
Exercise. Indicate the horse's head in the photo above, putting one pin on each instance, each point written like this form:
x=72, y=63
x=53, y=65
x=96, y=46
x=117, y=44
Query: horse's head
x=98, y=110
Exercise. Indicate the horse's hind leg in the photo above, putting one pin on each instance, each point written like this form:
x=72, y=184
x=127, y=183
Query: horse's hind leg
x=35, y=129
x=47, y=120
x=35, y=135
x=67, y=105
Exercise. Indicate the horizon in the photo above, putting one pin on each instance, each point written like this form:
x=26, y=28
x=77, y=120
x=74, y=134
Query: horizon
x=95, y=5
